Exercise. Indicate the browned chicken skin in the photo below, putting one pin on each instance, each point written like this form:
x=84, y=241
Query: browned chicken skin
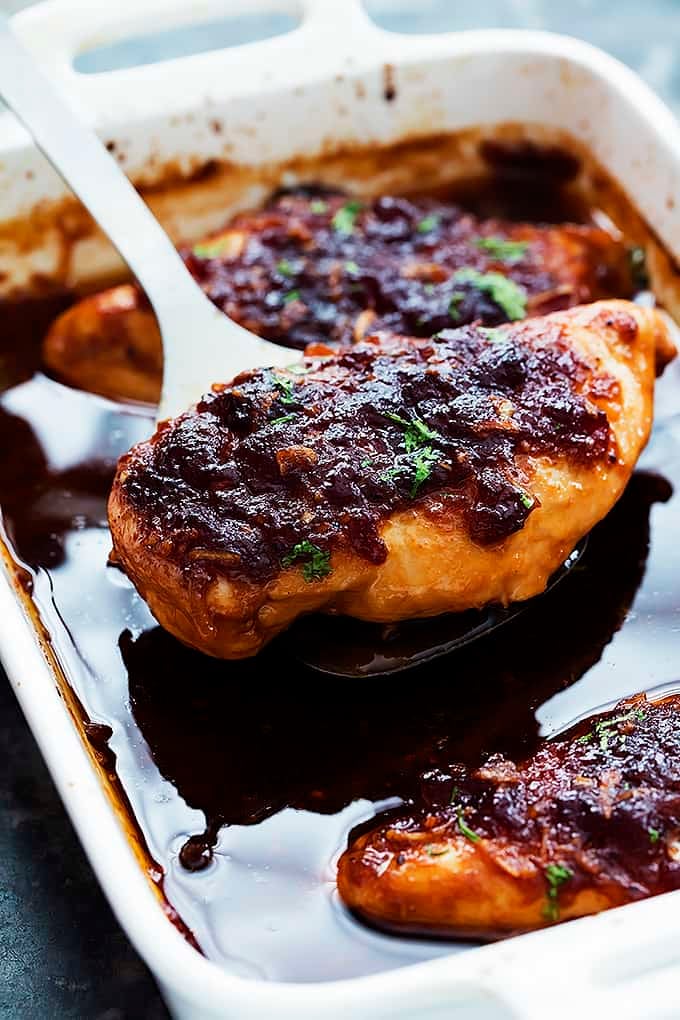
x=397, y=479
x=309, y=269
x=590, y=820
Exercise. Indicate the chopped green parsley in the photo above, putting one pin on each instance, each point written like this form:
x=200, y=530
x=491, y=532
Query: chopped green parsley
x=352, y=267
x=503, y=249
x=494, y=335
x=292, y=295
x=603, y=729
x=654, y=835
x=211, y=249
x=285, y=388
x=417, y=437
x=465, y=829
x=284, y=267
x=508, y=295
x=283, y=418
x=416, y=432
x=318, y=206
x=456, y=298
x=556, y=875
x=316, y=564
x=424, y=460
x=345, y=217
x=526, y=500
x=428, y=223
x=298, y=368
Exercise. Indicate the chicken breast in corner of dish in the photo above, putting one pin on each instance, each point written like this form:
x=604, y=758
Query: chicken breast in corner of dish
x=589, y=820
x=398, y=478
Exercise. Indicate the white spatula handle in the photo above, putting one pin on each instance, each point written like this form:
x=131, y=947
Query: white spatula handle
x=90, y=171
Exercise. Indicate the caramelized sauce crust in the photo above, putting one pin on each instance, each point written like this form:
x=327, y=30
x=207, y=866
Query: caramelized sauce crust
x=601, y=801
x=324, y=453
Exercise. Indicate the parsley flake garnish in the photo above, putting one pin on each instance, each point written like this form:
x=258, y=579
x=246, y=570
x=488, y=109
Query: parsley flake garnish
x=417, y=436
x=345, y=217
x=424, y=461
x=456, y=298
x=416, y=432
x=352, y=267
x=292, y=295
x=284, y=267
x=508, y=295
x=465, y=829
x=318, y=206
x=556, y=875
x=428, y=223
x=526, y=500
x=282, y=418
x=493, y=334
x=654, y=835
x=285, y=388
x=605, y=726
x=316, y=563
x=211, y=249
x=503, y=249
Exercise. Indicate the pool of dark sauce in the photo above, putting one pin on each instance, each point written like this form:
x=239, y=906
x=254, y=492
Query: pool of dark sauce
x=246, y=778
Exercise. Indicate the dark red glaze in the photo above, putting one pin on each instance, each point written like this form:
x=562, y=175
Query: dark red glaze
x=603, y=799
x=273, y=460
x=199, y=742
x=314, y=261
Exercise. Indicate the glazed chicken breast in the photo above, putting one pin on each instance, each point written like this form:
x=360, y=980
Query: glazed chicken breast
x=398, y=478
x=310, y=268
x=590, y=820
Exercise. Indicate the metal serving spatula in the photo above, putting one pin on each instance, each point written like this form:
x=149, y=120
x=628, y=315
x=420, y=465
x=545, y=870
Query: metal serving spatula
x=200, y=344
x=348, y=648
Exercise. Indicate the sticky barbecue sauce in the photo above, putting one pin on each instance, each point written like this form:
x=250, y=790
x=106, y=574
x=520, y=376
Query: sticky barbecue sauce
x=327, y=455
x=245, y=779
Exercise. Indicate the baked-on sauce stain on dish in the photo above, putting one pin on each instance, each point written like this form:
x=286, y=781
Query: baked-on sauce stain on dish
x=287, y=763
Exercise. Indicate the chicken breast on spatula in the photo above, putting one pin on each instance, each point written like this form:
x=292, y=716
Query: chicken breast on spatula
x=397, y=478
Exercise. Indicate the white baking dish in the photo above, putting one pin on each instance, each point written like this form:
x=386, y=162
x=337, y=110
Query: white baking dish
x=335, y=81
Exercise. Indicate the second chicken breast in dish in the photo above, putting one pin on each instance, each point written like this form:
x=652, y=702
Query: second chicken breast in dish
x=310, y=268
x=589, y=820
x=397, y=478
